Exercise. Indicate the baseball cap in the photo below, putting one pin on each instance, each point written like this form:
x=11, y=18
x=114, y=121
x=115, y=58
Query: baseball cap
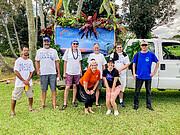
x=110, y=60
x=46, y=38
x=144, y=42
x=74, y=41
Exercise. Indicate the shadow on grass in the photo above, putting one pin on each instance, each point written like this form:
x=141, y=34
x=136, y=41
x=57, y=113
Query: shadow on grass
x=168, y=96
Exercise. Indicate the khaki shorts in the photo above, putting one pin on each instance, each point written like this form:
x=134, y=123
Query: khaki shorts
x=123, y=83
x=17, y=93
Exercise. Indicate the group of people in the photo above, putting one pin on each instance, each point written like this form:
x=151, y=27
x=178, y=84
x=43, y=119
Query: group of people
x=114, y=76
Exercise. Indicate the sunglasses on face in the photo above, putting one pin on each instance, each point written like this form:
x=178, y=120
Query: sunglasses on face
x=144, y=45
x=118, y=47
x=75, y=44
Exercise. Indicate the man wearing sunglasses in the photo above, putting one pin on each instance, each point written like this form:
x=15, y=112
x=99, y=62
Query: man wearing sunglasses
x=144, y=73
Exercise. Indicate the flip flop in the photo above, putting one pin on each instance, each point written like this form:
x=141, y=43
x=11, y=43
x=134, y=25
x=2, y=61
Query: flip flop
x=12, y=115
x=99, y=106
x=33, y=110
x=42, y=107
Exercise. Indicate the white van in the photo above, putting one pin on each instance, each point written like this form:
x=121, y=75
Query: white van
x=168, y=74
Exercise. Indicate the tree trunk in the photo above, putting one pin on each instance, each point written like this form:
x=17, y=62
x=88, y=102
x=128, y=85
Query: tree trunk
x=36, y=26
x=31, y=29
x=41, y=15
x=10, y=44
x=5, y=63
x=17, y=37
x=79, y=7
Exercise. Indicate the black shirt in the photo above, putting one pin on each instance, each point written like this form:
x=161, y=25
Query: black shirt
x=110, y=76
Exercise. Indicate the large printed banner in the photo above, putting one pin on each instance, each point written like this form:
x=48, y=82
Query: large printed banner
x=64, y=37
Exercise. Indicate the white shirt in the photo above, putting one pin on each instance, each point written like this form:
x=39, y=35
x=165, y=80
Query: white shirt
x=24, y=67
x=100, y=60
x=47, y=58
x=72, y=65
x=120, y=63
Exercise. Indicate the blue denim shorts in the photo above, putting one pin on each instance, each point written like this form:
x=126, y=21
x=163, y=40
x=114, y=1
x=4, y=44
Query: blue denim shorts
x=48, y=79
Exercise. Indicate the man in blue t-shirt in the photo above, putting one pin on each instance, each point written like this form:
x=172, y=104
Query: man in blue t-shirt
x=144, y=73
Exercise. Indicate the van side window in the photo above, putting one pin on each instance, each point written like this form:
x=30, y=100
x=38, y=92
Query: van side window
x=171, y=51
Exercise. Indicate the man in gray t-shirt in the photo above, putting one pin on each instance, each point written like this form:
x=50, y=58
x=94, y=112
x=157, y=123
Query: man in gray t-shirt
x=48, y=60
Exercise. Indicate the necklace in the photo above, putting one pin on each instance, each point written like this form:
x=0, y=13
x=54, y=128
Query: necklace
x=74, y=56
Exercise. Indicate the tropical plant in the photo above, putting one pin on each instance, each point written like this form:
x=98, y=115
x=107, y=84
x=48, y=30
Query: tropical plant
x=134, y=48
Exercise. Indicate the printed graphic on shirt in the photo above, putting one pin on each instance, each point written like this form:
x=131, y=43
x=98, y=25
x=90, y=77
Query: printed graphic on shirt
x=46, y=55
x=24, y=67
x=147, y=59
x=108, y=76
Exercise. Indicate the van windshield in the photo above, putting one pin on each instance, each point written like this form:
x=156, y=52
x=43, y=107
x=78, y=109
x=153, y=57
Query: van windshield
x=171, y=50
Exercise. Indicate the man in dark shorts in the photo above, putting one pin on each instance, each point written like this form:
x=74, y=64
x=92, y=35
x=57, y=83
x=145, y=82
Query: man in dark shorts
x=48, y=60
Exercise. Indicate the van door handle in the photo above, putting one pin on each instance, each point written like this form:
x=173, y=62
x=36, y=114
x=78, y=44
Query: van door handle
x=162, y=67
x=177, y=76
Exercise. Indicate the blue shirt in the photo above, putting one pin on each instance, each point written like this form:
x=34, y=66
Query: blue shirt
x=144, y=64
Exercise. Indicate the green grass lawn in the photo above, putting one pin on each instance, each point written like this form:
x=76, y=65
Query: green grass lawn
x=164, y=120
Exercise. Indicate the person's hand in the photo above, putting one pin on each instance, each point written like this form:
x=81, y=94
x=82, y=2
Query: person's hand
x=59, y=76
x=119, y=72
x=26, y=82
x=91, y=92
x=38, y=73
x=152, y=74
x=135, y=75
x=88, y=92
x=64, y=75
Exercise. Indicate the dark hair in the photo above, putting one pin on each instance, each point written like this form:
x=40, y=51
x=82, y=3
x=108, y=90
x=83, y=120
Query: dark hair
x=96, y=44
x=25, y=46
x=92, y=59
x=116, y=56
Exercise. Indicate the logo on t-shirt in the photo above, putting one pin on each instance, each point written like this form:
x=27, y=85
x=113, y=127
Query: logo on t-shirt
x=108, y=76
x=96, y=75
x=147, y=59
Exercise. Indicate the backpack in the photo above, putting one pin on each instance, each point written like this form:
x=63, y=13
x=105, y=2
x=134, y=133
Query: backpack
x=131, y=64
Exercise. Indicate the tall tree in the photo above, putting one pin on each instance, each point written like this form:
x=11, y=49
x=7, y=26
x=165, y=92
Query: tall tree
x=79, y=7
x=144, y=15
x=31, y=29
x=41, y=14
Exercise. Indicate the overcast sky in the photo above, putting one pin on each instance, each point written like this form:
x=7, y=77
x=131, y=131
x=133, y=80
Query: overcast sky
x=164, y=31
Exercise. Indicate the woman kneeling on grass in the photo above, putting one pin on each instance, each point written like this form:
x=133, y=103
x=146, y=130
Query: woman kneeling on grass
x=88, y=84
x=113, y=86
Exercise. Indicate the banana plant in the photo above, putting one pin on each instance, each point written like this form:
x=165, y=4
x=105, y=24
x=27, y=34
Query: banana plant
x=65, y=5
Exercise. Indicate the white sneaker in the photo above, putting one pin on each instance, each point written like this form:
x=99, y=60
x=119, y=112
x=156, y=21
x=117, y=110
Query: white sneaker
x=108, y=112
x=116, y=113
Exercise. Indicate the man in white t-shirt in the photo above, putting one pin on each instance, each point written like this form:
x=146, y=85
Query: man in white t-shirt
x=48, y=60
x=72, y=71
x=23, y=69
x=101, y=66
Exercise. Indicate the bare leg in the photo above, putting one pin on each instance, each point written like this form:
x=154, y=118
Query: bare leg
x=113, y=103
x=13, y=104
x=54, y=99
x=97, y=97
x=90, y=110
x=108, y=100
x=120, y=95
x=74, y=92
x=66, y=93
x=30, y=103
x=86, y=111
x=43, y=95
